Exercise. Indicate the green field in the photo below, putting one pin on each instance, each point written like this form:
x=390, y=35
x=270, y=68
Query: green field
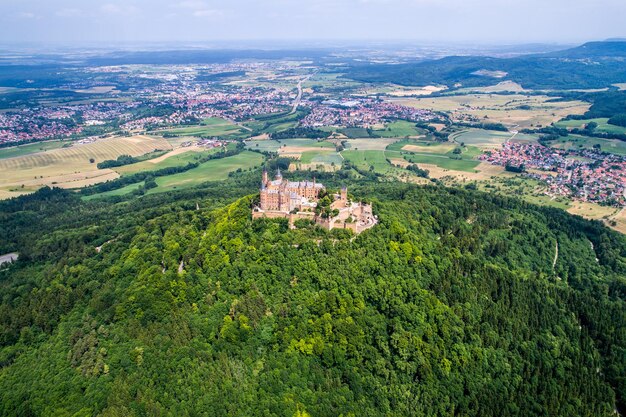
x=574, y=142
x=399, y=129
x=120, y=191
x=312, y=157
x=603, y=125
x=278, y=122
x=22, y=150
x=397, y=146
x=209, y=128
x=173, y=161
x=213, y=170
x=444, y=162
x=274, y=145
x=366, y=159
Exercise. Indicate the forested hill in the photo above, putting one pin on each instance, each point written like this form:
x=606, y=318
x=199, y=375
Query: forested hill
x=593, y=65
x=452, y=305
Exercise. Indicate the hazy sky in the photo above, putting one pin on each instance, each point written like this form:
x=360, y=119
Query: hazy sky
x=486, y=21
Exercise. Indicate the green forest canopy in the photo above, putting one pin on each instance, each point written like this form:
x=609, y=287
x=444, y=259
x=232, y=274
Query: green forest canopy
x=449, y=306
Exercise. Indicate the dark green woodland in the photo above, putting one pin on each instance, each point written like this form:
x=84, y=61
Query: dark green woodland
x=180, y=305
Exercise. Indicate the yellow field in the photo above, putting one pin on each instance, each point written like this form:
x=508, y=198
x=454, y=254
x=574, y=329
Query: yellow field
x=620, y=219
x=500, y=108
x=591, y=210
x=485, y=172
x=71, y=167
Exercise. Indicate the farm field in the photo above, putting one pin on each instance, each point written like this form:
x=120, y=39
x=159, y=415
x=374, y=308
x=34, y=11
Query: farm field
x=71, y=167
x=513, y=110
x=366, y=159
x=211, y=129
x=399, y=129
x=177, y=157
x=615, y=146
x=444, y=162
x=213, y=170
x=603, y=125
x=326, y=158
x=369, y=144
x=489, y=139
x=16, y=151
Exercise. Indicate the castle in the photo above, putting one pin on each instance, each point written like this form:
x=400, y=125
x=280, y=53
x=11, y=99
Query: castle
x=295, y=200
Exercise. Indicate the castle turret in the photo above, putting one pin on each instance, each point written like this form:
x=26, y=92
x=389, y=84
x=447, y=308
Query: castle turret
x=279, y=176
x=344, y=193
x=265, y=179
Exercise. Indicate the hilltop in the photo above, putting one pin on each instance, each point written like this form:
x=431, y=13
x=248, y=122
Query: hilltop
x=456, y=302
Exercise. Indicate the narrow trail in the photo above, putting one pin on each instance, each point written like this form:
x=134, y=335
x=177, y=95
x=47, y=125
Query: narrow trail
x=556, y=255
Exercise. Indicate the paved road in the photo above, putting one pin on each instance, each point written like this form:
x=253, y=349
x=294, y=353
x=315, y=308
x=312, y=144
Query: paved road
x=296, y=103
x=9, y=257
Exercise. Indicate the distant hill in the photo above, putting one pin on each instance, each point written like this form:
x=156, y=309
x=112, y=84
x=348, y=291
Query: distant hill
x=567, y=69
x=614, y=49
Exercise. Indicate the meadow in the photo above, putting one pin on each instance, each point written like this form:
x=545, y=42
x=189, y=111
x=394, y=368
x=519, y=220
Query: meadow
x=211, y=127
x=569, y=142
x=21, y=150
x=603, y=125
x=216, y=169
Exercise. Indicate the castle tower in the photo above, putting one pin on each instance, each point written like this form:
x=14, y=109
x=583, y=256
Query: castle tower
x=279, y=176
x=265, y=179
x=344, y=193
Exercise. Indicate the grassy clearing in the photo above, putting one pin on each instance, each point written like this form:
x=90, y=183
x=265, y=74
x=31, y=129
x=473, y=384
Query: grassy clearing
x=313, y=157
x=217, y=169
x=121, y=191
x=367, y=159
x=275, y=145
x=373, y=144
x=173, y=161
x=573, y=142
x=227, y=130
x=399, y=129
x=603, y=125
x=444, y=161
x=22, y=150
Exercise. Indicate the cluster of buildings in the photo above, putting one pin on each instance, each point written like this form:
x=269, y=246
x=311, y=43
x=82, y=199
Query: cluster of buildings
x=586, y=175
x=361, y=112
x=302, y=200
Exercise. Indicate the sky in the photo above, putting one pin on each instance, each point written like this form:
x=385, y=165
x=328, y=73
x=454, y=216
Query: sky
x=79, y=22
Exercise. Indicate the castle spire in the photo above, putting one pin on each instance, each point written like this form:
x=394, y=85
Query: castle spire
x=279, y=176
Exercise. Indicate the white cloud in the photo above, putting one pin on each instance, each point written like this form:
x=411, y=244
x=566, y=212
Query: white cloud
x=27, y=15
x=69, y=12
x=112, y=8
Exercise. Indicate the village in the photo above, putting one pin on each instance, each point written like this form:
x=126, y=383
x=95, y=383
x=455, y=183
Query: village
x=585, y=175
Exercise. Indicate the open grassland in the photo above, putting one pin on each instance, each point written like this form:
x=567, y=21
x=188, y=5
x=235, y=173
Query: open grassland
x=570, y=142
x=366, y=159
x=489, y=139
x=217, y=169
x=603, y=125
x=121, y=191
x=177, y=157
x=618, y=221
x=317, y=157
x=15, y=151
x=212, y=127
x=443, y=161
x=514, y=110
x=399, y=129
x=291, y=146
x=71, y=167
x=369, y=144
